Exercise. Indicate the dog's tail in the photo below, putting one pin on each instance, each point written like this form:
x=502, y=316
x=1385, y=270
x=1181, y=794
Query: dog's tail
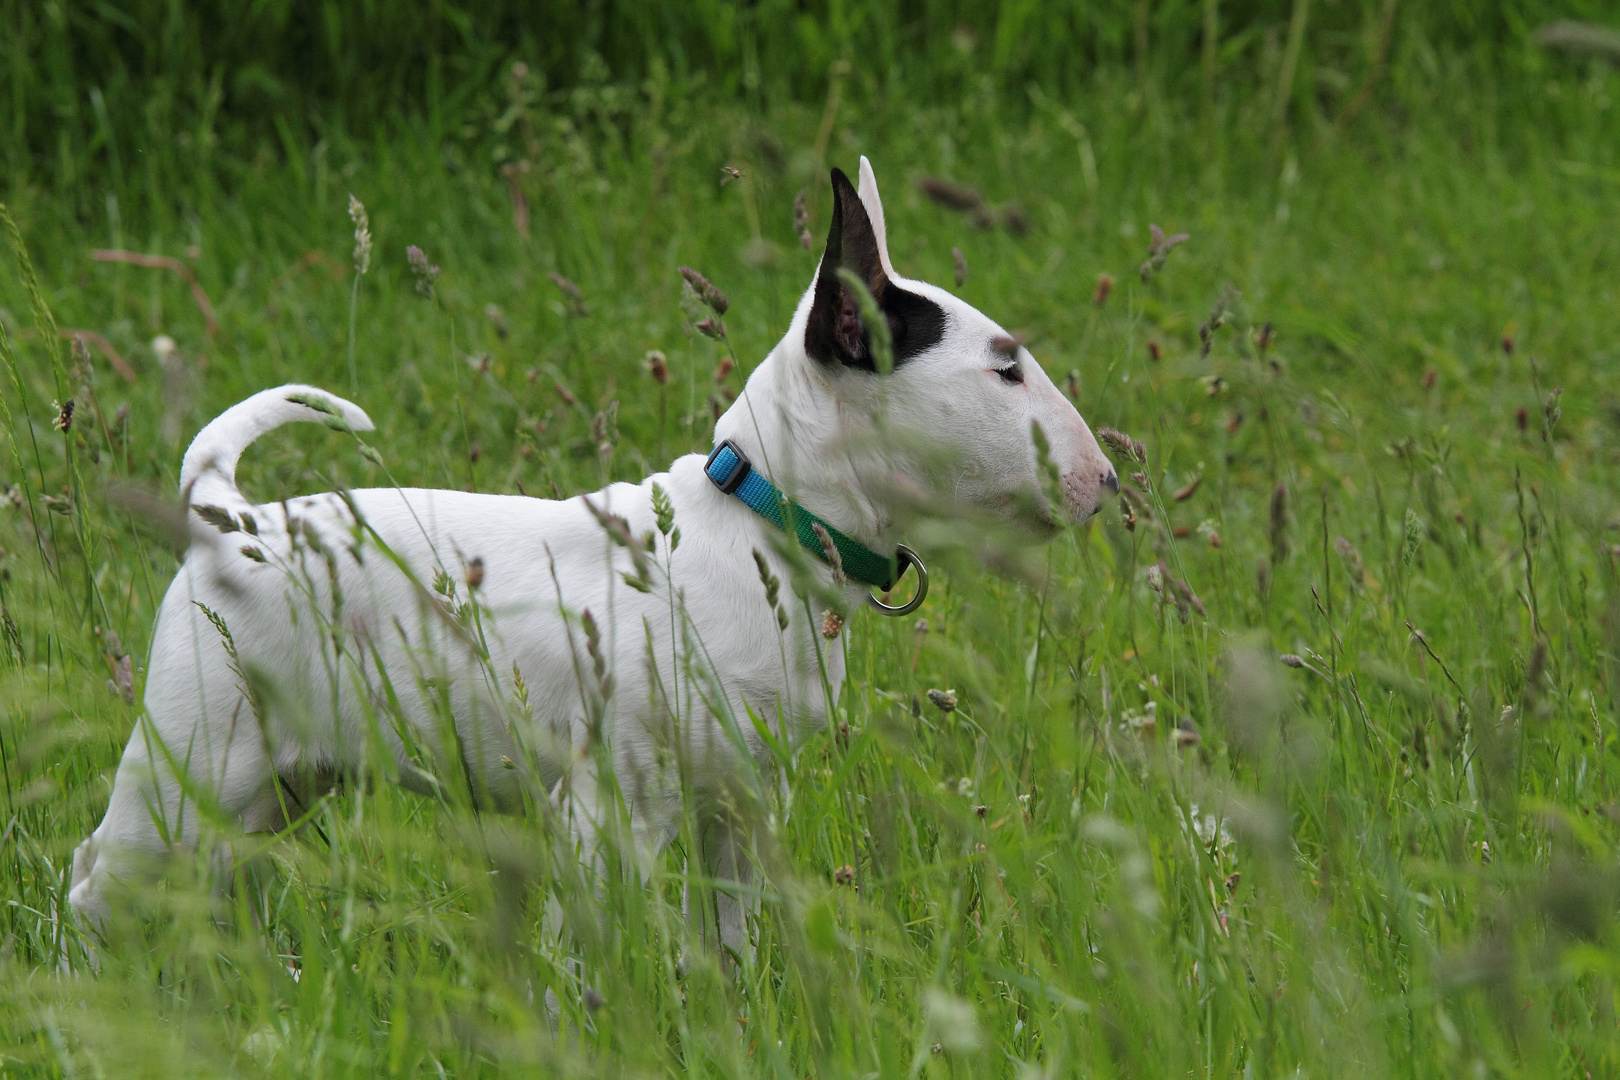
x=208, y=472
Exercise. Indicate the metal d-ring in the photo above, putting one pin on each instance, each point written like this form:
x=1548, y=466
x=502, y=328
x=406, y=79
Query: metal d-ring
x=904, y=555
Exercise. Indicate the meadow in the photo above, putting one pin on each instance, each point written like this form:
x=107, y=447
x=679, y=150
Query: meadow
x=1293, y=762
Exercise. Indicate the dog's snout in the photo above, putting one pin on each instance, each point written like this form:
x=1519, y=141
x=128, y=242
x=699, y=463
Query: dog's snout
x=1110, y=480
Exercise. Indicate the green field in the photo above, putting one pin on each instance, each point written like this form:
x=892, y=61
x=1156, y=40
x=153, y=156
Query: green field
x=1295, y=762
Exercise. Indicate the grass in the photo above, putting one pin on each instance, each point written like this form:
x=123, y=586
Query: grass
x=1393, y=859
x=88, y=91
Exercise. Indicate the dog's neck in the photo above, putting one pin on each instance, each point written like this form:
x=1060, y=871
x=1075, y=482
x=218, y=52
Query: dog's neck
x=794, y=428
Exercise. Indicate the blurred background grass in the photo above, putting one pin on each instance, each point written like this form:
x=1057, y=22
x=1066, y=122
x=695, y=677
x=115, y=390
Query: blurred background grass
x=150, y=97
x=1397, y=859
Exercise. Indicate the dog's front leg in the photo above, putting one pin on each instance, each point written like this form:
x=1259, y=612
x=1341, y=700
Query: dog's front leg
x=728, y=863
x=595, y=855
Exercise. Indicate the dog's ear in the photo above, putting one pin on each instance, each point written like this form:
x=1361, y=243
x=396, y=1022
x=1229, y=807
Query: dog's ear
x=856, y=242
x=868, y=192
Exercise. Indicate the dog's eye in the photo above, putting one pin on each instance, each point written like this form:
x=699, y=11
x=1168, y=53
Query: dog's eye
x=1012, y=373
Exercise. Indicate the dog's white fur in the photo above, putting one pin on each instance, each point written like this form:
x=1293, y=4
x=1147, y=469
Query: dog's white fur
x=850, y=445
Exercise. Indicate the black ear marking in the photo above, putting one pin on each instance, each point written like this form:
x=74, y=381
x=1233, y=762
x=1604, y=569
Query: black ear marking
x=834, y=334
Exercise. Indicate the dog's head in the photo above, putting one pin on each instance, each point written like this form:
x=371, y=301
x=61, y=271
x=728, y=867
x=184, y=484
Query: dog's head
x=962, y=397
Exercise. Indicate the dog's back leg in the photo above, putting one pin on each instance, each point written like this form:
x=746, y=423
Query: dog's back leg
x=178, y=776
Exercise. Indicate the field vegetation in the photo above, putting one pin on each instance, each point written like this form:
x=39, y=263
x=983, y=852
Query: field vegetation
x=1296, y=761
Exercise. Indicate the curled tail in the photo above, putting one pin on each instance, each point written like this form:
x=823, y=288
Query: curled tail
x=209, y=469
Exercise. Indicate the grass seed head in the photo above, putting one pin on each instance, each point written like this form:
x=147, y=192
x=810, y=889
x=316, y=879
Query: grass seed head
x=952, y=1021
x=122, y=682
x=1411, y=536
x=1071, y=385
x=1254, y=698
x=362, y=235
x=82, y=371
x=569, y=289
x=1122, y=444
x=658, y=366
x=1105, y=285
x=1352, y=561
x=773, y=585
x=475, y=573
x=1279, y=523
x=801, y=219
x=497, y=319
x=425, y=273
x=1218, y=315
x=1534, y=668
x=960, y=266
x=952, y=196
x=663, y=509
x=593, y=642
x=1159, y=249
x=943, y=700
x=1012, y=218
x=711, y=296
x=1181, y=594
x=829, y=551
x=723, y=369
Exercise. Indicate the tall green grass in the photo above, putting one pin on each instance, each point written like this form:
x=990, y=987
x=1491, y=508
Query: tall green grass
x=153, y=97
x=1395, y=858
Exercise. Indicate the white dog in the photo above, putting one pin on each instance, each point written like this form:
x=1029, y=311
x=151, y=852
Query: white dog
x=299, y=637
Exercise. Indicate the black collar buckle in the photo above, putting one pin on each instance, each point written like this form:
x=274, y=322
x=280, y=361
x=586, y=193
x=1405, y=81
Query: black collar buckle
x=733, y=478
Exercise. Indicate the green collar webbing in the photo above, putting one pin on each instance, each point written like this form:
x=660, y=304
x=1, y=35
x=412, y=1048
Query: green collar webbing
x=731, y=472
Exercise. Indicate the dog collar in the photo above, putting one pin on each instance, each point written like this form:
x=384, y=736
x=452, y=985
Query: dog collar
x=729, y=470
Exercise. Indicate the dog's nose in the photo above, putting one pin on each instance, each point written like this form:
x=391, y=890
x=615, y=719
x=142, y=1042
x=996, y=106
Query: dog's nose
x=1110, y=480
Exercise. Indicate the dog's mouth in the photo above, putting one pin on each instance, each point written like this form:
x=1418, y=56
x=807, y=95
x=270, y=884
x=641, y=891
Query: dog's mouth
x=1032, y=513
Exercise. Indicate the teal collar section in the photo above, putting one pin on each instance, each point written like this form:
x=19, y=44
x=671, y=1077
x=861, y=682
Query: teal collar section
x=729, y=470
